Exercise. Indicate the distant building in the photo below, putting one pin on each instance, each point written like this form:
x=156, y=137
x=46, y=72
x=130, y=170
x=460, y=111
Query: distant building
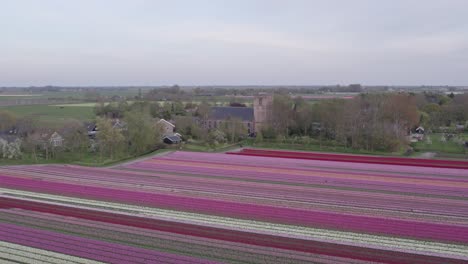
x=56, y=140
x=253, y=118
x=91, y=129
x=119, y=124
x=262, y=110
x=220, y=115
x=173, y=139
x=420, y=130
x=167, y=128
x=50, y=138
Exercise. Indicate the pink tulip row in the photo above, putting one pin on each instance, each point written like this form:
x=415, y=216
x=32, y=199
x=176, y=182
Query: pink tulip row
x=353, y=158
x=312, y=164
x=312, y=218
x=107, y=252
x=384, y=200
x=215, y=249
x=87, y=248
x=276, y=178
x=256, y=191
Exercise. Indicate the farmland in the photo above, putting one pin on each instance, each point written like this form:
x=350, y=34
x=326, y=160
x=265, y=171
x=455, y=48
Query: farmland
x=262, y=207
x=52, y=114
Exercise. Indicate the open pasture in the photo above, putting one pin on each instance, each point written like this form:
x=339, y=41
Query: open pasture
x=188, y=207
x=51, y=114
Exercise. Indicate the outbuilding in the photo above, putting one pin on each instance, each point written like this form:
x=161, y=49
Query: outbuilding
x=173, y=139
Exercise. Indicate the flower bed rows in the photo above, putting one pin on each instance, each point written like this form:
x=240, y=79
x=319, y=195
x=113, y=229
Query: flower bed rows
x=354, y=158
x=199, y=207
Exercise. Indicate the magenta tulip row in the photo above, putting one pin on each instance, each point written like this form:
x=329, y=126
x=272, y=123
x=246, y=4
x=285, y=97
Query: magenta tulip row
x=312, y=218
x=385, y=200
x=87, y=248
x=311, y=164
x=212, y=248
x=214, y=188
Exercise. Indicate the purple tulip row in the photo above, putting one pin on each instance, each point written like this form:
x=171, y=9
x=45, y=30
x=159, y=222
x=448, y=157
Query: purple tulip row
x=215, y=249
x=256, y=191
x=386, y=200
x=419, y=184
x=87, y=248
x=312, y=218
x=312, y=164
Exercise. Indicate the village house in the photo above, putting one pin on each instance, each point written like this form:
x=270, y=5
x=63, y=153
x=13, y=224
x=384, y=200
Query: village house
x=169, y=136
x=54, y=139
x=167, y=128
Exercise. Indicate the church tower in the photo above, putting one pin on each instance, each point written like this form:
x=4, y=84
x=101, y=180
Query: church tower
x=262, y=110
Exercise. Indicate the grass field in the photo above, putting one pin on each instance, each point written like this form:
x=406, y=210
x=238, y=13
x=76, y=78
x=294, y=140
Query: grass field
x=53, y=115
x=76, y=105
x=314, y=145
x=436, y=144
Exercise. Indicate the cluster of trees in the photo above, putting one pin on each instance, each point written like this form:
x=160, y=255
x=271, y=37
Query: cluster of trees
x=10, y=150
x=369, y=121
x=166, y=110
x=138, y=134
x=440, y=110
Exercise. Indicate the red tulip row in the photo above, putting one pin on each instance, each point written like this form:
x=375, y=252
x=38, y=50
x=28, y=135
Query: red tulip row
x=413, y=202
x=311, y=218
x=354, y=158
x=55, y=242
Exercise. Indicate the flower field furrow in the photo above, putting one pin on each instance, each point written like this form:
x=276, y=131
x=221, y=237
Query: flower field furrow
x=288, y=193
x=452, y=206
x=257, y=212
x=332, y=166
x=454, y=189
x=344, y=250
x=190, y=245
x=255, y=207
x=305, y=233
x=354, y=158
x=80, y=246
x=19, y=253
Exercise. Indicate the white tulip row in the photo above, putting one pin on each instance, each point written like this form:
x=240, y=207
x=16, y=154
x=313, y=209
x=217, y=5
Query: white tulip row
x=340, y=237
x=18, y=253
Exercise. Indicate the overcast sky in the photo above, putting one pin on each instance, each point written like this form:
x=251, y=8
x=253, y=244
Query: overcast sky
x=137, y=42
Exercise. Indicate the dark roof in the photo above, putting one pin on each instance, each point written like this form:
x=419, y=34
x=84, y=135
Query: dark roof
x=9, y=131
x=90, y=126
x=9, y=138
x=222, y=113
x=172, y=139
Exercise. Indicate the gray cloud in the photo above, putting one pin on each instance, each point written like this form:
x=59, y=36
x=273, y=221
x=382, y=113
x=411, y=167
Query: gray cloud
x=233, y=42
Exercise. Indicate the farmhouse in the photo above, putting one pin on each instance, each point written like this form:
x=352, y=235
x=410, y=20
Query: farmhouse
x=167, y=128
x=54, y=139
x=168, y=132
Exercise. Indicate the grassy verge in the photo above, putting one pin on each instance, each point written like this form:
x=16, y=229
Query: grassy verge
x=202, y=147
x=448, y=147
x=88, y=159
x=317, y=148
x=52, y=115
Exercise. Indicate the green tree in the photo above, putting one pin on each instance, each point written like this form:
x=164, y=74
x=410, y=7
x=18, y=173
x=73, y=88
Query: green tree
x=142, y=134
x=234, y=129
x=76, y=138
x=7, y=120
x=109, y=138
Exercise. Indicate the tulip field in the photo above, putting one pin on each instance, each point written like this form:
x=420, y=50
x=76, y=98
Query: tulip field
x=252, y=206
